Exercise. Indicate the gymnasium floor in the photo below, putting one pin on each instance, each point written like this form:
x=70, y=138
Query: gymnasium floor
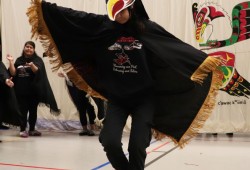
x=68, y=151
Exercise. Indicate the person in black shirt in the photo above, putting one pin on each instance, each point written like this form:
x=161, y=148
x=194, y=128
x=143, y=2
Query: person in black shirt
x=5, y=80
x=2, y=126
x=135, y=64
x=31, y=86
x=9, y=110
x=83, y=106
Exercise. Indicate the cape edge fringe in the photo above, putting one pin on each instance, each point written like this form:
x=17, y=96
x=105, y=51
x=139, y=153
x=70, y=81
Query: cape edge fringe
x=40, y=31
x=209, y=65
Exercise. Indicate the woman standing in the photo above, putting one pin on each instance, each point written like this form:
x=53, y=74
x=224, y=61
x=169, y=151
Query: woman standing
x=31, y=86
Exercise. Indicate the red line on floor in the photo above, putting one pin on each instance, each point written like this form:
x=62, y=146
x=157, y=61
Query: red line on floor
x=155, y=149
x=26, y=166
x=107, y=163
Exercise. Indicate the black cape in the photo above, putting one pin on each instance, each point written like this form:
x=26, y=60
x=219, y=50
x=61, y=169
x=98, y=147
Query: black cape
x=40, y=85
x=186, y=78
x=9, y=111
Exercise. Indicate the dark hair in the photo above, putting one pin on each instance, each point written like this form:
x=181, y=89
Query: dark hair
x=138, y=15
x=32, y=44
x=136, y=21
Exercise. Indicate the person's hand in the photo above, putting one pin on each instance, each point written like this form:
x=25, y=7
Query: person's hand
x=30, y=64
x=9, y=58
x=9, y=82
x=33, y=67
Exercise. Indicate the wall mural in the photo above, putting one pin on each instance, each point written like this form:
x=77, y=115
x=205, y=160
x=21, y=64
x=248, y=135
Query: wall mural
x=205, y=17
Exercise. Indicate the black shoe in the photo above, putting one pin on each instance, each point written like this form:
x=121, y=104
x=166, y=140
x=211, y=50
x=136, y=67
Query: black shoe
x=3, y=127
x=35, y=133
x=229, y=134
x=83, y=133
x=214, y=134
x=87, y=133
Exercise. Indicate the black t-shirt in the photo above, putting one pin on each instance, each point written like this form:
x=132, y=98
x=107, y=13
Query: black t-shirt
x=123, y=70
x=23, y=80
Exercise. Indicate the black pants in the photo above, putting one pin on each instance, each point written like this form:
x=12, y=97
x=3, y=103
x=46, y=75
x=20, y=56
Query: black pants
x=140, y=135
x=28, y=104
x=9, y=109
x=83, y=105
x=101, y=107
x=1, y=109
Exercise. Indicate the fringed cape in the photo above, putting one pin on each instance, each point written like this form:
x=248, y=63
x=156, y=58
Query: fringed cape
x=186, y=79
x=9, y=111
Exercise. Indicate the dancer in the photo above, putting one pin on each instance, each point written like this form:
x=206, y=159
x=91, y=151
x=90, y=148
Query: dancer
x=140, y=68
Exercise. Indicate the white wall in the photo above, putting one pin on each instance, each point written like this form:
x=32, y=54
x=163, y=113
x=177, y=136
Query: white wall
x=173, y=15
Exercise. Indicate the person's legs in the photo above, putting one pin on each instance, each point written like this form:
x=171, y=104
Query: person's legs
x=81, y=107
x=23, y=106
x=78, y=98
x=80, y=101
x=140, y=135
x=83, y=119
x=33, y=103
x=101, y=108
x=111, y=136
x=3, y=127
x=24, y=112
x=92, y=116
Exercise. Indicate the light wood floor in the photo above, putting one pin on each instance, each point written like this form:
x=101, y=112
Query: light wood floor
x=68, y=151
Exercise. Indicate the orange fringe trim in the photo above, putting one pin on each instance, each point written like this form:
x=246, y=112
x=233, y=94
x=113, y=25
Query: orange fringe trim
x=40, y=31
x=209, y=65
x=79, y=81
